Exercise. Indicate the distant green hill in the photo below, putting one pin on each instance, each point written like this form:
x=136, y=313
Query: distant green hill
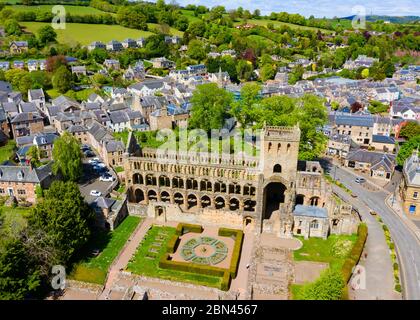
x=393, y=19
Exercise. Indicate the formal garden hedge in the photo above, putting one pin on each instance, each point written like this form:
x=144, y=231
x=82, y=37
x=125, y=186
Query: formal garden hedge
x=172, y=244
x=355, y=253
x=184, y=228
x=226, y=274
x=238, y=235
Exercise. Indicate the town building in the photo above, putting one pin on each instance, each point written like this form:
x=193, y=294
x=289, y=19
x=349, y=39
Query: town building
x=410, y=185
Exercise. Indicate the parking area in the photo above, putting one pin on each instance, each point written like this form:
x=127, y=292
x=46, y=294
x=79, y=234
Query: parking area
x=91, y=179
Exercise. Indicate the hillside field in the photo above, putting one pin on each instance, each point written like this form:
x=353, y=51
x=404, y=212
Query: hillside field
x=87, y=33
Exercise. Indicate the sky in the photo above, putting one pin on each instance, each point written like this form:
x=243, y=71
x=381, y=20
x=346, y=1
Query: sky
x=319, y=8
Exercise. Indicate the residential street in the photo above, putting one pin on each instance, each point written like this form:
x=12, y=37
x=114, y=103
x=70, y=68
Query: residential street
x=407, y=244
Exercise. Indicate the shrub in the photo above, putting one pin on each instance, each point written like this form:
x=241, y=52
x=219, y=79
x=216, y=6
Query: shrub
x=172, y=244
x=184, y=228
x=355, y=253
x=165, y=263
x=398, y=287
x=224, y=286
x=329, y=286
x=395, y=266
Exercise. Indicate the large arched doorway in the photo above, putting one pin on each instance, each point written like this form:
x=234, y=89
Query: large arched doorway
x=178, y=198
x=192, y=201
x=165, y=197
x=273, y=197
x=205, y=202
x=138, y=196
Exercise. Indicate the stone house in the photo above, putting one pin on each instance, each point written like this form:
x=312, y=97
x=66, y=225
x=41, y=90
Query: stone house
x=112, y=64
x=27, y=123
x=383, y=143
x=21, y=181
x=378, y=165
x=78, y=70
x=410, y=185
x=18, y=47
x=114, y=45
x=96, y=45
x=109, y=212
x=37, y=96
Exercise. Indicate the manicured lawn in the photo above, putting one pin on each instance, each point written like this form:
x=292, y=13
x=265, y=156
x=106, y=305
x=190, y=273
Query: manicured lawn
x=333, y=250
x=7, y=151
x=95, y=269
x=145, y=262
x=74, y=10
x=87, y=33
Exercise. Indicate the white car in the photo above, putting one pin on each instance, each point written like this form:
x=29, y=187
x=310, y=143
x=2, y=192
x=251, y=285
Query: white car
x=106, y=178
x=95, y=193
x=92, y=161
x=101, y=165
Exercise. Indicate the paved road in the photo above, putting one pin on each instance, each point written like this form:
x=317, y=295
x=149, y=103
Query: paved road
x=407, y=243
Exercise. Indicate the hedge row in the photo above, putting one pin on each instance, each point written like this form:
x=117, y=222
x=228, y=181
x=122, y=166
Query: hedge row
x=165, y=263
x=238, y=235
x=355, y=253
x=184, y=228
x=172, y=244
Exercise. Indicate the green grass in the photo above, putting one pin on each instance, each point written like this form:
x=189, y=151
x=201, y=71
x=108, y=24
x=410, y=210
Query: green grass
x=87, y=33
x=95, y=269
x=142, y=265
x=73, y=10
x=278, y=24
x=332, y=250
x=7, y=151
x=172, y=31
x=13, y=219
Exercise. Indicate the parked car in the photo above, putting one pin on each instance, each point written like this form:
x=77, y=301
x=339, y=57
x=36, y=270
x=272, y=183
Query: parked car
x=95, y=193
x=101, y=165
x=88, y=153
x=96, y=159
x=373, y=213
x=93, y=161
x=106, y=178
x=360, y=180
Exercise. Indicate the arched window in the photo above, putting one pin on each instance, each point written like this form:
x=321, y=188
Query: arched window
x=314, y=224
x=277, y=168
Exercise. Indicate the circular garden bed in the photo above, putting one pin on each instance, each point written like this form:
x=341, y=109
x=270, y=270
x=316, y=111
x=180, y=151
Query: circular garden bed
x=204, y=250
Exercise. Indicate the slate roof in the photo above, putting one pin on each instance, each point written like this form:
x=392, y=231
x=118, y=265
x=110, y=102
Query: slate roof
x=118, y=117
x=353, y=120
x=26, y=116
x=36, y=94
x=28, y=107
x=412, y=170
x=383, y=139
x=310, y=211
x=114, y=145
x=375, y=159
x=24, y=173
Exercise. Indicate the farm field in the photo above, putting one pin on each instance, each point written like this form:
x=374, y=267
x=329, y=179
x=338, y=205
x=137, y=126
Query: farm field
x=172, y=31
x=87, y=33
x=74, y=10
x=264, y=22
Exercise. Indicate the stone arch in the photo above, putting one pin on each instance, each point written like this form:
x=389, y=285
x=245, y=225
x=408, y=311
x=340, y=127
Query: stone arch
x=137, y=178
x=205, y=201
x=164, y=181
x=249, y=205
x=277, y=168
x=178, y=198
x=300, y=199
x=177, y=182
x=192, y=184
x=152, y=195
x=249, y=190
x=234, y=188
x=165, y=197
x=205, y=185
x=273, y=197
x=138, y=195
x=233, y=204
x=219, y=202
x=150, y=180
x=191, y=201
x=220, y=187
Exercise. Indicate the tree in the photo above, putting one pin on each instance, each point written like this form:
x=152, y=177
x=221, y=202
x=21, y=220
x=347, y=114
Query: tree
x=67, y=157
x=18, y=274
x=209, y=107
x=365, y=73
x=12, y=27
x=245, y=109
x=196, y=50
x=407, y=149
x=244, y=69
x=410, y=130
x=267, y=71
x=33, y=155
x=46, y=35
x=65, y=217
x=197, y=28
x=329, y=286
x=62, y=79
x=54, y=62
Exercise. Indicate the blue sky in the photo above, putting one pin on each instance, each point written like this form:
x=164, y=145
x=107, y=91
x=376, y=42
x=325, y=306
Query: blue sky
x=318, y=8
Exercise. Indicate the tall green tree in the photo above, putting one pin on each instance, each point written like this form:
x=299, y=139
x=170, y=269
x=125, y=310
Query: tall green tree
x=209, y=107
x=410, y=130
x=62, y=79
x=67, y=157
x=46, y=35
x=407, y=149
x=64, y=217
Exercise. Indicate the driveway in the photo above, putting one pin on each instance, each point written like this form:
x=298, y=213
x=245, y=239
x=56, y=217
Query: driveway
x=407, y=244
x=90, y=181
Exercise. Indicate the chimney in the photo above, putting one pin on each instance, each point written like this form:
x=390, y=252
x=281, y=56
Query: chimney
x=30, y=116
